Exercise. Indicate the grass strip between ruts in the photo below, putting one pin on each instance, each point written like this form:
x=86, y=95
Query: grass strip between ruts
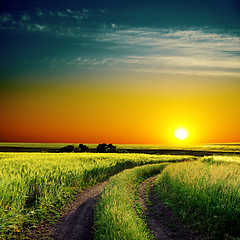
x=115, y=217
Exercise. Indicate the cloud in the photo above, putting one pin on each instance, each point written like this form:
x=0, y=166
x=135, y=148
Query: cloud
x=100, y=43
x=28, y=21
x=25, y=17
x=173, y=50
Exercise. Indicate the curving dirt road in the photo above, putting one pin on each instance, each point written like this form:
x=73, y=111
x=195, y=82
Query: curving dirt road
x=77, y=222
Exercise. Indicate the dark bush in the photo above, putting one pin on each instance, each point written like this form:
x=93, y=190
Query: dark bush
x=102, y=148
x=106, y=148
x=81, y=148
x=68, y=148
x=111, y=148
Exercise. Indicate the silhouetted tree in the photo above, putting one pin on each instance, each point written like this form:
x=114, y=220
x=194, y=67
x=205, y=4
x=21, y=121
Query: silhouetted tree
x=111, y=148
x=103, y=148
x=68, y=148
x=82, y=148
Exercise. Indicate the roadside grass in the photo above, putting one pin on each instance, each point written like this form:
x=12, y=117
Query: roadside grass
x=204, y=194
x=222, y=159
x=115, y=216
x=35, y=187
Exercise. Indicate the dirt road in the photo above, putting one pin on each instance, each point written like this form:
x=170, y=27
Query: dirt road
x=77, y=222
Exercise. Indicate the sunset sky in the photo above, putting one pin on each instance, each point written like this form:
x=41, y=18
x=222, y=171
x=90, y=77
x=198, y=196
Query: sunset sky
x=119, y=71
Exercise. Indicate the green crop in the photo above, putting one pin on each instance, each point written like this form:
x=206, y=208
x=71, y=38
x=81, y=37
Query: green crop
x=32, y=185
x=206, y=194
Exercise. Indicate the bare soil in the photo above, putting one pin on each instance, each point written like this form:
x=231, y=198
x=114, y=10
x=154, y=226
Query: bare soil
x=162, y=222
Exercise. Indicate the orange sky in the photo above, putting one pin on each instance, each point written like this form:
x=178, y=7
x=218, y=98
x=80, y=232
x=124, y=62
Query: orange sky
x=120, y=71
x=133, y=108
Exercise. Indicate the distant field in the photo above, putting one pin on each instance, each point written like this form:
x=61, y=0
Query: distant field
x=38, y=147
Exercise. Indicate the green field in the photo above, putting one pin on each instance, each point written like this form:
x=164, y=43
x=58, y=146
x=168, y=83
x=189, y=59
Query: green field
x=36, y=187
x=204, y=193
x=34, y=184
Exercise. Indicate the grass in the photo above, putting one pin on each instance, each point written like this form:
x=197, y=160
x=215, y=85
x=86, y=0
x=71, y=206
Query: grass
x=222, y=159
x=115, y=216
x=34, y=187
x=205, y=194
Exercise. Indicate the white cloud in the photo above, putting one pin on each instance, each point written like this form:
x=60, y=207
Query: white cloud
x=171, y=50
x=147, y=50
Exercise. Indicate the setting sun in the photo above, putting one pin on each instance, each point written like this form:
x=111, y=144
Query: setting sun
x=181, y=133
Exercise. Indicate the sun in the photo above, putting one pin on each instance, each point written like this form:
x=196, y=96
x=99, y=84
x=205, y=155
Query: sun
x=181, y=133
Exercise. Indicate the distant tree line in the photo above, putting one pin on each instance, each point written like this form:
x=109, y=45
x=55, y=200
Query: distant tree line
x=101, y=148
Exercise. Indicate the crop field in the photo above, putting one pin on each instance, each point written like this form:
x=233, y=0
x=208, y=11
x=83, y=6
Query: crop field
x=205, y=193
x=36, y=185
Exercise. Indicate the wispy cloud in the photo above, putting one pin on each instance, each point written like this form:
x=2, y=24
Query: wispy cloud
x=106, y=44
x=170, y=49
x=29, y=21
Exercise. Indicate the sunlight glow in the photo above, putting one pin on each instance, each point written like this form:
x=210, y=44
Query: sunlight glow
x=181, y=133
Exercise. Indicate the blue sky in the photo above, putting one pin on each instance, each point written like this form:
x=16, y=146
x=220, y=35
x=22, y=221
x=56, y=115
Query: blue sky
x=183, y=37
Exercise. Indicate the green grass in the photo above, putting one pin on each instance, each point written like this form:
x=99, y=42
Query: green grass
x=115, y=216
x=205, y=194
x=222, y=159
x=34, y=187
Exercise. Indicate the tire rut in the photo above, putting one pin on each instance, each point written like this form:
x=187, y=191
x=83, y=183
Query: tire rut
x=162, y=222
x=77, y=223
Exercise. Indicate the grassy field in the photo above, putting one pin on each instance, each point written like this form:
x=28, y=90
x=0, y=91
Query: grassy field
x=35, y=186
x=204, y=193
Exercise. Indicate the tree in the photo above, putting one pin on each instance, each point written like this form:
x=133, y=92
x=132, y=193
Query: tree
x=104, y=148
x=82, y=148
x=111, y=148
x=68, y=148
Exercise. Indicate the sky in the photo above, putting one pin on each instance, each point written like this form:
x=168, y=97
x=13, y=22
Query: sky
x=119, y=71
